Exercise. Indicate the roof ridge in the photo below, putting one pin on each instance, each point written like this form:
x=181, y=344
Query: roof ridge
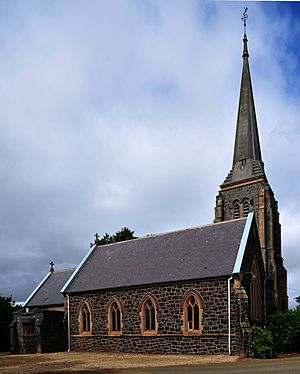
x=63, y=270
x=171, y=232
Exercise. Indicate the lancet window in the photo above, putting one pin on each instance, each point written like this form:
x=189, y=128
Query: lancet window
x=115, y=318
x=245, y=208
x=85, y=325
x=236, y=210
x=149, y=316
x=192, y=313
x=255, y=292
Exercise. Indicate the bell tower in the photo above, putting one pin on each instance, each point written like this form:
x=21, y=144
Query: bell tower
x=246, y=188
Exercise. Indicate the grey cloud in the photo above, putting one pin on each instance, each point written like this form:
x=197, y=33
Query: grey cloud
x=123, y=114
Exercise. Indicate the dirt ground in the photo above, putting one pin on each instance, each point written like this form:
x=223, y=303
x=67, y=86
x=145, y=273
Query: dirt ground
x=64, y=362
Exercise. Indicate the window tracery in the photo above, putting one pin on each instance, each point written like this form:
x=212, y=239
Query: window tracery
x=85, y=325
x=114, y=318
x=192, y=314
x=149, y=316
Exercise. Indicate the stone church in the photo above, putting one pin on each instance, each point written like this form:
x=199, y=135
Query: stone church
x=192, y=291
x=40, y=326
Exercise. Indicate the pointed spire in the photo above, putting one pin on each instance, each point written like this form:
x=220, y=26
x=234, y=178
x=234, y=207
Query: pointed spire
x=247, y=140
x=247, y=160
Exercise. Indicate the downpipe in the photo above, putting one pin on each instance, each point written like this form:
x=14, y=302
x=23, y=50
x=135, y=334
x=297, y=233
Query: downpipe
x=229, y=314
x=69, y=325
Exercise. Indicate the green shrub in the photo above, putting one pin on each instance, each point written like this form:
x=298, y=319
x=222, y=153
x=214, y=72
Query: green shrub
x=261, y=343
x=285, y=330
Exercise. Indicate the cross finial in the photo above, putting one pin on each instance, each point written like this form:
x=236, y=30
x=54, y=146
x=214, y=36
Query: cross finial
x=51, y=266
x=96, y=241
x=244, y=18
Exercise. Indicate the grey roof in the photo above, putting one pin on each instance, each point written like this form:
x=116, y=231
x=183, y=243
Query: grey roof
x=247, y=160
x=48, y=292
x=194, y=253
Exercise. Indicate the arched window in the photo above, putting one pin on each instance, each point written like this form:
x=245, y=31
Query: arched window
x=85, y=326
x=192, y=314
x=149, y=316
x=236, y=210
x=245, y=208
x=114, y=318
x=255, y=292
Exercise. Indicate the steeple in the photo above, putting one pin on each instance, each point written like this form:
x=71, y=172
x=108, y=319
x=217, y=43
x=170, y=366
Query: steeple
x=246, y=189
x=247, y=160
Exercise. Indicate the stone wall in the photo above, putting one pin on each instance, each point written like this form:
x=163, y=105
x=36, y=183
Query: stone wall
x=239, y=192
x=47, y=332
x=21, y=343
x=170, y=337
x=266, y=212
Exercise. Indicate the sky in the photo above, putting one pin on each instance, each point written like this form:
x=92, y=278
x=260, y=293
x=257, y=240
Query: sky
x=123, y=113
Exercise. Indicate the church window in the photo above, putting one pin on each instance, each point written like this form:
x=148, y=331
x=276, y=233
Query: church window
x=85, y=319
x=115, y=318
x=255, y=292
x=149, y=316
x=28, y=329
x=192, y=314
x=245, y=208
x=236, y=210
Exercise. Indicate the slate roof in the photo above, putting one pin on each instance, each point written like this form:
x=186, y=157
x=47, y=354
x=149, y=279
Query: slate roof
x=194, y=253
x=48, y=292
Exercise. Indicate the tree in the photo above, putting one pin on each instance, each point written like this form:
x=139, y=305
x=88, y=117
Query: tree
x=124, y=234
x=7, y=307
x=285, y=329
x=106, y=239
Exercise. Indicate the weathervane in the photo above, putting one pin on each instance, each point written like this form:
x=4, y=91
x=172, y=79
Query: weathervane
x=244, y=18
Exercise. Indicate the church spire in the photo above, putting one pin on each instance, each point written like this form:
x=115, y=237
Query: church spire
x=246, y=139
x=247, y=160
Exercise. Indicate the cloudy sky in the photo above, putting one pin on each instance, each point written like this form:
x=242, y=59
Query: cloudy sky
x=123, y=113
